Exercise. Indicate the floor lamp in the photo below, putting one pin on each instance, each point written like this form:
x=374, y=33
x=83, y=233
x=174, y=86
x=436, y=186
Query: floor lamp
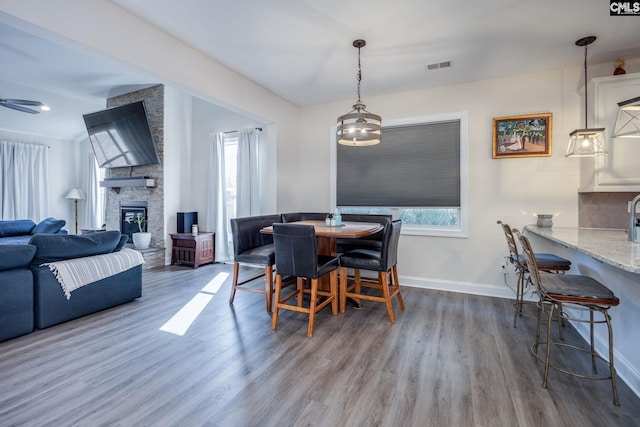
x=75, y=194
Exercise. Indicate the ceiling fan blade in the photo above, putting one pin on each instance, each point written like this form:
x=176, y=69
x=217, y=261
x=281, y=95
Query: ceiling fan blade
x=22, y=102
x=19, y=108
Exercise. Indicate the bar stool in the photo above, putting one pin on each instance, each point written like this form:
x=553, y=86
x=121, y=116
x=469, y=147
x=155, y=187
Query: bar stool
x=549, y=263
x=576, y=293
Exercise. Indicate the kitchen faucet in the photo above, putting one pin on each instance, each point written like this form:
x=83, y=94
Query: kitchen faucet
x=632, y=216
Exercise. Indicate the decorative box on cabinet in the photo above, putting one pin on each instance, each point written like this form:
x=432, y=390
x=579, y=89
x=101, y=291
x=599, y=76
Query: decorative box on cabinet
x=618, y=170
x=193, y=249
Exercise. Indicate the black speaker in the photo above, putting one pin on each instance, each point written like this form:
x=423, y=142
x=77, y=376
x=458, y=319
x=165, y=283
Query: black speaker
x=186, y=220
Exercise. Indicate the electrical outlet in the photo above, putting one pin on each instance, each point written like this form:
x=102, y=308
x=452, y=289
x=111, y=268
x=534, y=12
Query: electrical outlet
x=502, y=267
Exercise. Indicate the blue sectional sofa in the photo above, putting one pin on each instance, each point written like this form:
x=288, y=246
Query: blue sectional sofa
x=16, y=290
x=21, y=230
x=32, y=296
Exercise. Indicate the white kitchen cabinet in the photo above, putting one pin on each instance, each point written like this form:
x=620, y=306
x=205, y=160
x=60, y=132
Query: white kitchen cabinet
x=619, y=170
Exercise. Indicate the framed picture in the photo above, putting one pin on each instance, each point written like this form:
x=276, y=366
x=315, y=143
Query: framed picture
x=522, y=136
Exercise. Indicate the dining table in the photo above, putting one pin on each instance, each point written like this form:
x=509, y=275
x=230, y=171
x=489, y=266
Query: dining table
x=327, y=236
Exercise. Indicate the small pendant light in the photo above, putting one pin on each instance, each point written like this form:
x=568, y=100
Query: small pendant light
x=586, y=142
x=359, y=127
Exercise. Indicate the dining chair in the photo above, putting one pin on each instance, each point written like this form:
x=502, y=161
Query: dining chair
x=302, y=216
x=549, y=263
x=297, y=256
x=565, y=297
x=251, y=247
x=372, y=241
x=383, y=261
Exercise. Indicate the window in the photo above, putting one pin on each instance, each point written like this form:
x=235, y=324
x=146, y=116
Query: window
x=418, y=174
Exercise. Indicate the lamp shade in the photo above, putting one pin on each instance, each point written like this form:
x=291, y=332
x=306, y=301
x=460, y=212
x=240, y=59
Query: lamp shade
x=586, y=143
x=359, y=128
x=628, y=120
x=75, y=194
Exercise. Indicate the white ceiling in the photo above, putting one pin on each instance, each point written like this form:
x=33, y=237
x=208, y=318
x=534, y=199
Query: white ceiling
x=302, y=49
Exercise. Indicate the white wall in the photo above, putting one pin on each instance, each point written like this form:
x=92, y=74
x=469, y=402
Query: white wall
x=508, y=189
x=177, y=149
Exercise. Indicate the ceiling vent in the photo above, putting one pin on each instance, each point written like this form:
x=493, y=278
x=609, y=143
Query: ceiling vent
x=437, y=65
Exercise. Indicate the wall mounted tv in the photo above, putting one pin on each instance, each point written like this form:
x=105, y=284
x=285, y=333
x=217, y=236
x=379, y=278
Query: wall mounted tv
x=121, y=137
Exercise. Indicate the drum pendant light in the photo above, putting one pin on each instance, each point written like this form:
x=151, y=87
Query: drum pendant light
x=359, y=127
x=586, y=142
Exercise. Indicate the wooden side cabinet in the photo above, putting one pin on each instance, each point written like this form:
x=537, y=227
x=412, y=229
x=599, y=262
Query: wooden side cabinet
x=192, y=249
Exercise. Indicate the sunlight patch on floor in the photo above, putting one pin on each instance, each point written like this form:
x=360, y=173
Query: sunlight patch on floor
x=214, y=285
x=180, y=322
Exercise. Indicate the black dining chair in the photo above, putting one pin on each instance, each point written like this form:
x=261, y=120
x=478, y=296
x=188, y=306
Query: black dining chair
x=303, y=216
x=251, y=247
x=297, y=256
x=372, y=241
x=564, y=297
x=383, y=261
x=549, y=263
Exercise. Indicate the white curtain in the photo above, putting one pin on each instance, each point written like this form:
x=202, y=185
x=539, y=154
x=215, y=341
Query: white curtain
x=24, y=188
x=95, y=207
x=216, y=218
x=248, y=184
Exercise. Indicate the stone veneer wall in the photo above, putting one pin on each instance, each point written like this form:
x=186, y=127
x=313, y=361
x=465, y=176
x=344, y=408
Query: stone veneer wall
x=153, y=98
x=604, y=210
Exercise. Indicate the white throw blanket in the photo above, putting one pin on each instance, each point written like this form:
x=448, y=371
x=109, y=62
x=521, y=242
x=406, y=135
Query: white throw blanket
x=75, y=273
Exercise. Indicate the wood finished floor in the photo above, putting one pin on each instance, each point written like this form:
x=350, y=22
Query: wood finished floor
x=450, y=360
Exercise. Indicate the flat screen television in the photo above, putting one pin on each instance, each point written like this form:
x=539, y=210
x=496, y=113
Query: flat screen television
x=121, y=137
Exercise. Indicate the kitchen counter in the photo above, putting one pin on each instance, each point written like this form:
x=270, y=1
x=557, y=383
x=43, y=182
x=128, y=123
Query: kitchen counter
x=606, y=245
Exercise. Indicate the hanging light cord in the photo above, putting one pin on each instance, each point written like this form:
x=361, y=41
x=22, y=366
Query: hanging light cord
x=359, y=105
x=586, y=99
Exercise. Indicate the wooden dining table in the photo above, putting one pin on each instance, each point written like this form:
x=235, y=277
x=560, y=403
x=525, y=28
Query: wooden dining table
x=327, y=240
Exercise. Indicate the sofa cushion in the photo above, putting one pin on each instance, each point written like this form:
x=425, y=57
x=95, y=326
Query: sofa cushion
x=16, y=227
x=49, y=226
x=16, y=256
x=123, y=241
x=15, y=240
x=58, y=247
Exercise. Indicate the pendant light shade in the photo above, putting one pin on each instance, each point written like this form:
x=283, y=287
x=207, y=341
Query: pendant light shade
x=586, y=142
x=628, y=120
x=359, y=127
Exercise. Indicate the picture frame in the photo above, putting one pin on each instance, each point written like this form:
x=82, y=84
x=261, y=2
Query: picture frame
x=526, y=135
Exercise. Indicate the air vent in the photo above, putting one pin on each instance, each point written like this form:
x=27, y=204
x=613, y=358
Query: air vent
x=437, y=65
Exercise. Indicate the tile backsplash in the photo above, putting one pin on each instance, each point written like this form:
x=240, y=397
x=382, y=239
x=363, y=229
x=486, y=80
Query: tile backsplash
x=604, y=210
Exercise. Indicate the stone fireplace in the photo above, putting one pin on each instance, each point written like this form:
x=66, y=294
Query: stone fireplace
x=133, y=199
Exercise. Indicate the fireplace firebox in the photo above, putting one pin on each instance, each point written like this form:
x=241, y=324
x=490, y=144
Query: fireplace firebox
x=130, y=212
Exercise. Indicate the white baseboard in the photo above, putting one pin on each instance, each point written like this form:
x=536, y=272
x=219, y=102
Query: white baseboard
x=498, y=291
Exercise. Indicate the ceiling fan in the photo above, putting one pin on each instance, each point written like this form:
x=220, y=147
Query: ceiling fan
x=19, y=105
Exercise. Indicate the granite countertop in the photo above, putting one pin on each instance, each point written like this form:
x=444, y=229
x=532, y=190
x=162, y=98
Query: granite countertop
x=606, y=245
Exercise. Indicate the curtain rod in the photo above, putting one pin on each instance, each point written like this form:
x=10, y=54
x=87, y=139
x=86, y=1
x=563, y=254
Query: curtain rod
x=238, y=130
